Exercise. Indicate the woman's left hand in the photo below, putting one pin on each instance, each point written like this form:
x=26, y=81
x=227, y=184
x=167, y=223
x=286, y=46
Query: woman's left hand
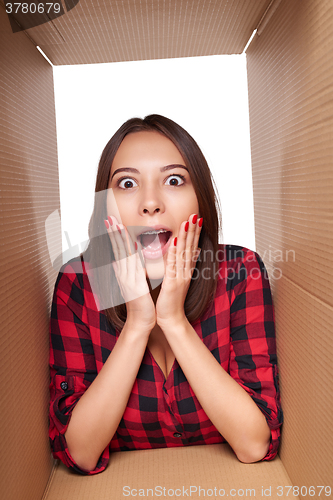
x=181, y=261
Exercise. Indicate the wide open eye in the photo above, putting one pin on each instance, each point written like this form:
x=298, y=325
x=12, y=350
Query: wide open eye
x=126, y=183
x=176, y=180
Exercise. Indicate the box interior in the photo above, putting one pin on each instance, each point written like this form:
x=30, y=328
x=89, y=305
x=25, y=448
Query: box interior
x=290, y=93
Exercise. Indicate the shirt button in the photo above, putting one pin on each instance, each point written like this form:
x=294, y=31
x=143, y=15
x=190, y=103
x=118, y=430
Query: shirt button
x=177, y=435
x=64, y=386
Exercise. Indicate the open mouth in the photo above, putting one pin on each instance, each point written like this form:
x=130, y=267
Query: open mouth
x=155, y=240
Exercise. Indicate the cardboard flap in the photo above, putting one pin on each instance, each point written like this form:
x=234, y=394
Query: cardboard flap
x=192, y=471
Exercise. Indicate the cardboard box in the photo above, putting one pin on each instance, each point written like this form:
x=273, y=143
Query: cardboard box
x=290, y=93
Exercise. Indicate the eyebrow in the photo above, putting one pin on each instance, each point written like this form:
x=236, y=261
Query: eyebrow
x=136, y=171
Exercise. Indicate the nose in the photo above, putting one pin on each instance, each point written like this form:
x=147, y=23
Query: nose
x=151, y=202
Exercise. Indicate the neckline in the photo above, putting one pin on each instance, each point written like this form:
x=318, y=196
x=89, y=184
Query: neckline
x=154, y=361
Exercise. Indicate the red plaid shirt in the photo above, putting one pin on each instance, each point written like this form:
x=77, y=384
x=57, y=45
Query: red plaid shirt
x=238, y=330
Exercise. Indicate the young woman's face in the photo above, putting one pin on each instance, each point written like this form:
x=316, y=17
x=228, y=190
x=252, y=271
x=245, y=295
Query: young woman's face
x=151, y=190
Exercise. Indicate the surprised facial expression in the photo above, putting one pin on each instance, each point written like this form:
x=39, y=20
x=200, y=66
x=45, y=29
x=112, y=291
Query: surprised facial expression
x=151, y=194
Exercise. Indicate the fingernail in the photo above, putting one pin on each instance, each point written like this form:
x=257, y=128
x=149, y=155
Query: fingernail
x=106, y=224
x=110, y=220
x=118, y=229
x=200, y=222
x=186, y=226
x=136, y=245
x=175, y=241
x=194, y=220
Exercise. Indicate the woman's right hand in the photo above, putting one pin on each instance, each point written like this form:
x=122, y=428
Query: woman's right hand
x=131, y=276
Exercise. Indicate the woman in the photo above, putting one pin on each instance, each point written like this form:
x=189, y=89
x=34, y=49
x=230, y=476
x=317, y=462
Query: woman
x=159, y=335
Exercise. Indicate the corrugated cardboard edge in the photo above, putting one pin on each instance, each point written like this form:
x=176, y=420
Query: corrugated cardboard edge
x=51, y=479
x=290, y=94
x=29, y=193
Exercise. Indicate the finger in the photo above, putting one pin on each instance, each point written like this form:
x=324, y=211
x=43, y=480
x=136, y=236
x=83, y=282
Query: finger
x=121, y=244
x=128, y=242
x=197, y=232
x=128, y=262
x=132, y=257
x=185, y=251
x=181, y=248
x=132, y=245
x=116, y=270
x=170, y=268
x=196, y=238
x=140, y=255
x=127, y=238
x=195, y=257
x=191, y=231
x=192, y=227
x=139, y=262
x=109, y=226
x=120, y=236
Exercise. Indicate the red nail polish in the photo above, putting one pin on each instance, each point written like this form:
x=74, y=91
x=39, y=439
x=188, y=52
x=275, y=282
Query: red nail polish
x=175, y=241
x=110, y=220
x=119, y=229
x=106, y=224
x=194, y=220
x=200, y=222
x=186, y=226
x=136, y=245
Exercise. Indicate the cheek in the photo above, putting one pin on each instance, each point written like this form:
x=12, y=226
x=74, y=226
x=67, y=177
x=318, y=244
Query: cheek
x=195, y=207
x=113, y=206
x=188, y=205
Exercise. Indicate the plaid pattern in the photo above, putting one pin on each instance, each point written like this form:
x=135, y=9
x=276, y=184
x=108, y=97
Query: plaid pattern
x=238, y=329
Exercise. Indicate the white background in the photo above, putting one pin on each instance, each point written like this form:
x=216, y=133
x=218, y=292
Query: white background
x=205, y=95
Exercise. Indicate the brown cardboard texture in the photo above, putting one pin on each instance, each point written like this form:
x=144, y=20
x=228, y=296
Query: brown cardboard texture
x=290, y=94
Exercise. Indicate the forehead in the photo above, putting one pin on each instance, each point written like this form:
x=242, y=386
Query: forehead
x=146, y=148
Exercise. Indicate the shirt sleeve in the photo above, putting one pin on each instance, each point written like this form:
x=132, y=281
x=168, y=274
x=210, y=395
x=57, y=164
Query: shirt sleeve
x=72, y=363
x=253, y=359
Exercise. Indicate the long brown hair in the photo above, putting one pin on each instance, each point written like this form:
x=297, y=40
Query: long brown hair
x=203, y=285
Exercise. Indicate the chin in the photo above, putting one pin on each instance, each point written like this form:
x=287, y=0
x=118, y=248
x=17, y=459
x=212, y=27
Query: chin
x=155, y=270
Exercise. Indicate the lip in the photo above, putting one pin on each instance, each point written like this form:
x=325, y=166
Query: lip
x=156, y=254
